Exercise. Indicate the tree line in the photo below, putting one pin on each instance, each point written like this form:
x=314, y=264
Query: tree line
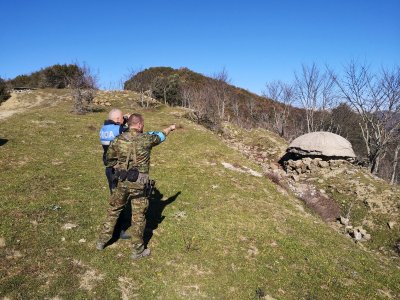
x=358, y=104
x=79, y=78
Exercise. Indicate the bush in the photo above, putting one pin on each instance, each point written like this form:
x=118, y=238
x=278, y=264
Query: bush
x=56, y=76
x=83, y=89
x=167, y=89
x=4, y=91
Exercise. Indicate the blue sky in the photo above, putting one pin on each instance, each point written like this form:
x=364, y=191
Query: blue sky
x=256, y=41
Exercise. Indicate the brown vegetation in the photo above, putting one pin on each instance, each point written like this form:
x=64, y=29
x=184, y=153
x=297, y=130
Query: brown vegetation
x=328, y=103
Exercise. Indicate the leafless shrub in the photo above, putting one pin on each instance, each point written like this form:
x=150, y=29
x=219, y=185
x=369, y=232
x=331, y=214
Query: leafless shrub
x=314, y=90
x=284, y=93
x=84, y=86
x=277, y=180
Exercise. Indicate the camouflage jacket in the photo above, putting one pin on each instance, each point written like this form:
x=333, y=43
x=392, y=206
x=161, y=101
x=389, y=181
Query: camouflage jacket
x=134, y=147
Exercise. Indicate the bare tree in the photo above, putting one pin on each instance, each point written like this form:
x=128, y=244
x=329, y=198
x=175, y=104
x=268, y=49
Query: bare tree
x=251, y=105
x=84, y=86
x=283, y=93
x=393, y=179
x=314, y=91
x=136, y=83
x=221, y=89
x=377, y=100
x=235, y=103
x=187, y=94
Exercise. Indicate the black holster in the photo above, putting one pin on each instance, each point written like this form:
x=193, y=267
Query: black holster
x=149, y=187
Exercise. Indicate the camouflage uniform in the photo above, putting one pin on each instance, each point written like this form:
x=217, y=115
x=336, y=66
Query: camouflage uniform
x=130, y=150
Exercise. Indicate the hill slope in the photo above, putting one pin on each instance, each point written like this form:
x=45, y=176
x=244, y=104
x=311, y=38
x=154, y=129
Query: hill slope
x=214, y=232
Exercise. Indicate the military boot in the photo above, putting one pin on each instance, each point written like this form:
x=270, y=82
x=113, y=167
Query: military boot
x=144, y=253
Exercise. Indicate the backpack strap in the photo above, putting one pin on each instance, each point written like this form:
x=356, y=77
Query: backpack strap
x=131, y=151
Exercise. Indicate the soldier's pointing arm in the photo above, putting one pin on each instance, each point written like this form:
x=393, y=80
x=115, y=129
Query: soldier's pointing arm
x=159, y=136
x=169, y=129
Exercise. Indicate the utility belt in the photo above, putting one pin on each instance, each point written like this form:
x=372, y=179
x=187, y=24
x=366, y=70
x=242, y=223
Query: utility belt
x=131, y=175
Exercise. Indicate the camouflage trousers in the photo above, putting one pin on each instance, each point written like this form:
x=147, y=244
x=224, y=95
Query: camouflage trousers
x=127, y=191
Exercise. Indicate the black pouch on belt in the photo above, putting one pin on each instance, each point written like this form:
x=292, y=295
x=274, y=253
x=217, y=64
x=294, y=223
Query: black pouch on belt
x=121, y=174
x=132, y=175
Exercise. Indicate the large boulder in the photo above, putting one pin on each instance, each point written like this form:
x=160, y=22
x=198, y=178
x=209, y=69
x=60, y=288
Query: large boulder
x=321, y=143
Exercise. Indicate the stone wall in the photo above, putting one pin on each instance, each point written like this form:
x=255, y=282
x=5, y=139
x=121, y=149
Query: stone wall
x=308, y=165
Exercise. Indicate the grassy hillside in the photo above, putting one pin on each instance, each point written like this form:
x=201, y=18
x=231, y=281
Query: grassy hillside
x=215, y=233
x=366, y=201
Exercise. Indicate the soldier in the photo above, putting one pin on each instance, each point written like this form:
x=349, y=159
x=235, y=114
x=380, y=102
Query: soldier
x=129, y=154
x=113, y=127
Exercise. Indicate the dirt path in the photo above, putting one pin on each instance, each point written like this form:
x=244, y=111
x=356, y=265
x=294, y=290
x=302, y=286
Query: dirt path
x=19, y=103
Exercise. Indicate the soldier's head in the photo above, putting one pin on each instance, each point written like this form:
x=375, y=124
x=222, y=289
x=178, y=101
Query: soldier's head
x=136, y=122
x=116, y=116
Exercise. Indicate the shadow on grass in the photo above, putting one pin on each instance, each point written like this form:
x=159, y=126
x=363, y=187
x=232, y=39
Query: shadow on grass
x=154, y=216
x=3, y=141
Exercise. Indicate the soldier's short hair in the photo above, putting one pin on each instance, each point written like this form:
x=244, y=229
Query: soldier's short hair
x=135, y=119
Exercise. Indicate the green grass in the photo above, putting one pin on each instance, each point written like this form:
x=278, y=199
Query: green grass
x=237, y=237
x=263, y=141
x=369, y=216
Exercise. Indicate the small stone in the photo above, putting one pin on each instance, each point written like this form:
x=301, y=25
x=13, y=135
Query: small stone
x=63, y=239
x=320, y=181
x=298, y=163
x=82, y=241
x=344, y=221
x=367, y=236
x=357, y=235
x=17, y=254
x=323, y=164
x=274, y=166
x=180, y=215
x=2, y=242
x=391, y=224
x=68, y=226
x=295, y=177
x=363, y=231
